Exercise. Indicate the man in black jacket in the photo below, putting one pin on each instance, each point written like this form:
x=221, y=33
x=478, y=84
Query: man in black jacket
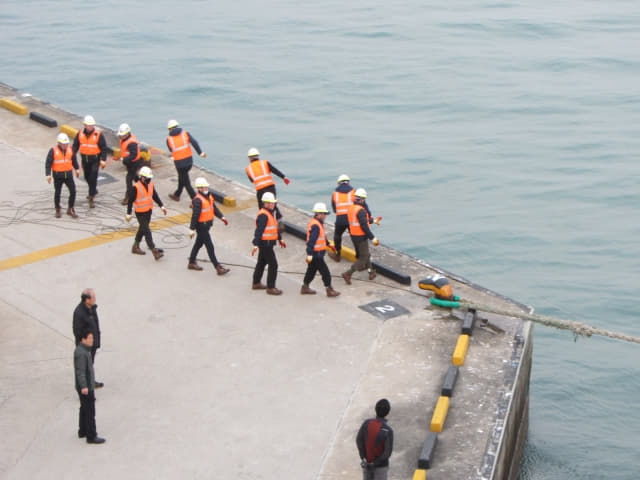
x=85, y=380
x=375, y=443
x=85, y=318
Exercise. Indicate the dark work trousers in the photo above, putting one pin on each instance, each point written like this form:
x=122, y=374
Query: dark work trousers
x=363, y=257
x=87, y=415
x=318, y=264
x=266, y=256
x=132, y=175
x=272, y=189
x=90, y=166
x=184, y=182
x=66, y=178
x=342, y=224
x=143, y=228
x=203, y=238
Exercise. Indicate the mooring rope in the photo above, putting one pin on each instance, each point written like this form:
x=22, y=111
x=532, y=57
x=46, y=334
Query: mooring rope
x=578, y=328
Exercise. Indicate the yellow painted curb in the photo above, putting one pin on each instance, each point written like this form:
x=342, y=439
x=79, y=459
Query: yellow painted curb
x=461, y=350
x=94, y=241
x=15, y=107
x=229, y=201
x=69, y=130
x=347, y=253
x=440, y=414
x=420, y=474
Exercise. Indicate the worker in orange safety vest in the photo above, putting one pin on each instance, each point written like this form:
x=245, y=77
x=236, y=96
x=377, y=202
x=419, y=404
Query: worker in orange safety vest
x=264, y=239
x=60, y=165
x=180, y=142
x=130, y=156
x=260, y=173
x=93, y=149
x=316, y=248
x=360, y=236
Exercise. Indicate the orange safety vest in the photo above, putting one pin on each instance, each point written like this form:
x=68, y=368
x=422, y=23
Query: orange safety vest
x=206, y=213
x=355, y=228
x=271, y=229
x=125, y=144
x=62, y=160
x=260, y=174
x=321, y=241
x=89, y=143
x=179, y=145
x=343, y=201
x=144, y=198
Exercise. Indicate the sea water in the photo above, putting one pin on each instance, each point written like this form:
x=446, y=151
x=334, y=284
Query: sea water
x=498, y=140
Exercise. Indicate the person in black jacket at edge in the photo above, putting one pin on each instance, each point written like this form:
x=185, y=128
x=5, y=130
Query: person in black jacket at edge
x=375, y=443
x=85, y=317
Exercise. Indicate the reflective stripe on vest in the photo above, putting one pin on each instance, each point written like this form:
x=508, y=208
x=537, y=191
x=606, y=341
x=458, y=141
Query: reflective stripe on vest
x=354, y=225
x=144, y=198
x=180, y=147
x=373, y=451
x=321, y=241
x=206, y=213
x=271, y=229
x=260, y=174
x=124, y=147
x=89, y=143
x=343, y=201
x=62, y=160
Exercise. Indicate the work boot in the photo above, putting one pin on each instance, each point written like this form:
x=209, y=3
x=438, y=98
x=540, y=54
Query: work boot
x=372, y=274
x=334, y=256
x=305, y=290
x=174, y=197
x=274, y=291
x=157, y=253
x=221, y=269
x=71, y=212
x=194, y=266
x=331, y=292
x=125, y=200
x=91, y=204
x=258, y=286
x=137, y=250
x=58, y=214
x=347, y=277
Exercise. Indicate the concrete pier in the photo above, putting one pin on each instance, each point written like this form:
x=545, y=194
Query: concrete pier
x=206, y=378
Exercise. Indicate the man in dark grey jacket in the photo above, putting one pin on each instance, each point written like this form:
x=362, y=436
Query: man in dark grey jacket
x=375, y=443
x=85, y=387
x=85, y=317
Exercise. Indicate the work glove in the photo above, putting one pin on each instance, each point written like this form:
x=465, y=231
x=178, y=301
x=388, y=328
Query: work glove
x=225, y=221
x=203, y=155
x=377, y=220
x=192, y=233
x=375, y=241
x=103, y=164
x=254, y=250
x=332, y=248
x=164, y=210
x=309, y=258
x=48, y=178
x=287, y=181
x=77, y=173
x=282, y=244
x=127, y=217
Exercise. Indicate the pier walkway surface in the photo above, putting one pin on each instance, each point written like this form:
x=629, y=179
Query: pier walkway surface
x=204, y=377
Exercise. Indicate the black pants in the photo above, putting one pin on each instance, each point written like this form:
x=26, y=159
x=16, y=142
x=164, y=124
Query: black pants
x=87, y=415
x=266, y=256
x=203, y=238
x=272, y=189
x=318, y=264
x=132, y=175
x=143, y=228
x=363, y=257
x=184, y=182
x=90, y=166
x=341, y=226
x=65, y=178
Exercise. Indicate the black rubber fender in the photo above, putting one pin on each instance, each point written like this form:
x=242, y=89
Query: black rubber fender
x=428, y=450
x=391, y=273
x=469, y=320
x=43, y=119
x=449, y=381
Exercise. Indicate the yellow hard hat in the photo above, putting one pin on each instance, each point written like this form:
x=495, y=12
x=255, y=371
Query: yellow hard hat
x=201, y=182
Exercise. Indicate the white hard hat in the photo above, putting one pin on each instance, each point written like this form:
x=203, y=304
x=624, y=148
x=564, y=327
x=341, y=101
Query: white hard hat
x=89, y=120
x=201, y=182
x=320, y=207
x=361, y=193
x=62, y=138
x=268, y=197
x=343, y=178
x=172, y=124
x=124, y=129
x=145, y=172
x=253, y=152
